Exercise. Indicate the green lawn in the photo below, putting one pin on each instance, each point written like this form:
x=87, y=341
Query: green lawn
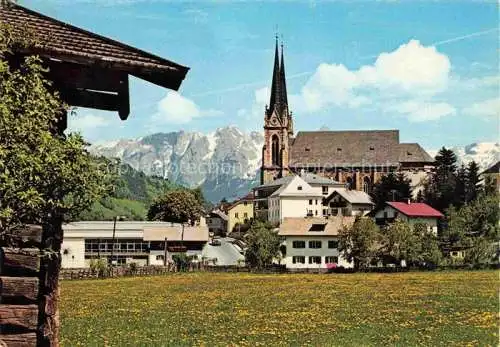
x=212, y=309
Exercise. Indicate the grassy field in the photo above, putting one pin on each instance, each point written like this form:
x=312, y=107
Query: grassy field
x=215, y=309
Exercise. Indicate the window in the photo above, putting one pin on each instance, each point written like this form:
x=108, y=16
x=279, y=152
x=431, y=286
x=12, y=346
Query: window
x=244, y=203
x=160, y=257
x=324, y=189
x=339, y=149
x=333, y=244
x=315, y=244
x=236, y=215
x=245, y=215
x=309, y=213
x=275, y=150
x=314, y=260
x=372, y=148
x=317, y=227
x=454, y=253
x=367, y=185
x=331, y=260
x=325, y=212
x=316, y=212
x=299, y=188
x=385, y=214
x=298, y=244
x=310, y=202
x=298, y=259
x=316, y=202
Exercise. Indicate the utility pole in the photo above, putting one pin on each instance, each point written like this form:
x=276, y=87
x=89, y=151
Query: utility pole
x=113, y=239
x=165, y=253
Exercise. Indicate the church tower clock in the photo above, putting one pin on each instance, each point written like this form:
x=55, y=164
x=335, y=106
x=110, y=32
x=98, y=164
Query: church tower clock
x=278, y=127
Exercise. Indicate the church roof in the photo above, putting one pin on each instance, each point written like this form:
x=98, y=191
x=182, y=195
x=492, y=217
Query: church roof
x=59, y=40
x=345, y=148
x=413, y=153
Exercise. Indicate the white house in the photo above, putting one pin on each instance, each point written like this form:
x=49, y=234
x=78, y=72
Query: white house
x=312, y=243
x=346, y=202
x=293, y=196
x=217, y=222
x=130, y=242
x=410, y=212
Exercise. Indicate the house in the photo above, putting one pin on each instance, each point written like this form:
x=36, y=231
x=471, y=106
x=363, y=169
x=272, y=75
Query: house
x=217, y=222
x=347, y=202
x=292, y=196
x=410, y=212
x=127, y=242
x=493, y=174
x=312, y=243
x=239, y=212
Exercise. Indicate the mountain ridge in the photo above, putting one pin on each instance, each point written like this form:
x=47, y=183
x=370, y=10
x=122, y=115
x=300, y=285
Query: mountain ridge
x=225, y=162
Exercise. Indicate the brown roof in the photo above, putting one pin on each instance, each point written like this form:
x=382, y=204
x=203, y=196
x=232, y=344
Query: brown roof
x=55, y=39
x=413, y=153
x=345, y=148
x=303, y=226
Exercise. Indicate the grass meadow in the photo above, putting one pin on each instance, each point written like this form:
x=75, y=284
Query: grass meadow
x=235, y=309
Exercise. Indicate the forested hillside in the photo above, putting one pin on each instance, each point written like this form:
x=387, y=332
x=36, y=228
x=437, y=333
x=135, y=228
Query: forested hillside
x=131, y=193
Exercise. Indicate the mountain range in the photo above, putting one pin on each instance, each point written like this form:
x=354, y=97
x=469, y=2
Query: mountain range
x=225, y=163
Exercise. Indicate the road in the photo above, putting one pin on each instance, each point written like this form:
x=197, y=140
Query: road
x=226, y=254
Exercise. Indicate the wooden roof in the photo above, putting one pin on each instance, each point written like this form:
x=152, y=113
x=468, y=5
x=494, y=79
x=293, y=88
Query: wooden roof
x=58, y=40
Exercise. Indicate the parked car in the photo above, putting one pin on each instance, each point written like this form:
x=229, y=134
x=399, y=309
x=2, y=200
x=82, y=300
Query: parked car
x=215, y=242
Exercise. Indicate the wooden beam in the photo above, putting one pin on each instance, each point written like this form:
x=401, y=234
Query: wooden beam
x=19, y=261
x=18, y=288
x=18, y=340
x=78, y=76
x=22, y=317
x=123, y=95
x=91, y=99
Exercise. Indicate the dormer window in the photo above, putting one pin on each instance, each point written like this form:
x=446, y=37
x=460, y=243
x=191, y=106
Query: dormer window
x=339, y=149
x=372, y=148
x=408, y=153
x=299, y=188
x=307, y=149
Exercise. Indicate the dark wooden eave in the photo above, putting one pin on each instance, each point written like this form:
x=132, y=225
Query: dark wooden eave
x=88, y=69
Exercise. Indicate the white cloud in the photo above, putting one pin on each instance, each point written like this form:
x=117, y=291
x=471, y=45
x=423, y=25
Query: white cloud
x=488, y=109
x=421, y=111
x=411, y=70
x=175, y=108
x=86, y=122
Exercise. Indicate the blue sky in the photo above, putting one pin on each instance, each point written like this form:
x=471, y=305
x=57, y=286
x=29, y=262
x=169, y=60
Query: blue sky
x=429, y=69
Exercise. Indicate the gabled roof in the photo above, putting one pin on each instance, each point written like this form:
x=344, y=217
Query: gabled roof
x=310, y=178
x=352, y=196
x=495, y=168
x=219, y=214
x=307, y=226
x=291, y=188
x=415, y=209
x=56, y=39
x=345, y=148
x=249, y=198
x=413, y=153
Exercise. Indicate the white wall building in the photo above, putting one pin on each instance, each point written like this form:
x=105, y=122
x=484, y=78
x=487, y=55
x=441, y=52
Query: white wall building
x=312, y=243
x=133, y=242
x=410, y=212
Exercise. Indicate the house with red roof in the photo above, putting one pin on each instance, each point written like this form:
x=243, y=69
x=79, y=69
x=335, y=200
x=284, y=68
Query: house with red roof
x=409, y=212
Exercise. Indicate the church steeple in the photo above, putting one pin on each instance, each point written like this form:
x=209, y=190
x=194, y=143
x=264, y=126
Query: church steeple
x=276, y=93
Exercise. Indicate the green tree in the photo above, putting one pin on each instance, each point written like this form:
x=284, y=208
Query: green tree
x=263, y=245
x=461, y=187
x=391, y=187
x=401, y=242
x=44, y=178
x=177, y=206
x=440, y=187
x=360, y=242
x=473, y=185
x=481, y=251
x=428, y=246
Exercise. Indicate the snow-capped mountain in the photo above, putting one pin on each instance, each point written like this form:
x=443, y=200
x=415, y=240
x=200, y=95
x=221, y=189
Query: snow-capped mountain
x=224, y=163
x=484, y=153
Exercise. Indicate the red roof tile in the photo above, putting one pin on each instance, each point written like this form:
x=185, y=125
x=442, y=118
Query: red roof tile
x=415, y=209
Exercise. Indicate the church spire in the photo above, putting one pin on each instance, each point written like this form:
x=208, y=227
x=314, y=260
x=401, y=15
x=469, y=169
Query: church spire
x=284, y=97
x=276, y=84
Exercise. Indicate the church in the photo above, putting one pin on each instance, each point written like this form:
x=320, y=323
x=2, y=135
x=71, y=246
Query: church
x=356, y=159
